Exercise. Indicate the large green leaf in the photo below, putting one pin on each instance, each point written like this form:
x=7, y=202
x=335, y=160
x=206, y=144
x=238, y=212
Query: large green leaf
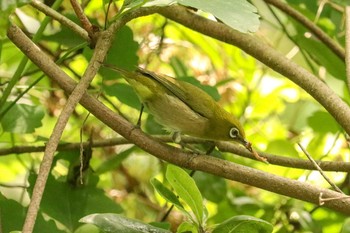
x=123, y=54
x=166, y=193
x=22, y=118
x=187, y=190
x=125, y=93
x=111, y=223
x=67, y=203
x=12, y=216
x=243, y=224
x=238, y=14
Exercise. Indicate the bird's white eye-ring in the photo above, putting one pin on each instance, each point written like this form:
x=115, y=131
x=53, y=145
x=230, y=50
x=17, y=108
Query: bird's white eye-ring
x=234, y=132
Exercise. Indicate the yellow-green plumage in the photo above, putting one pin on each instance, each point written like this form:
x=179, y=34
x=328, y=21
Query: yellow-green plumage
x=183, y=107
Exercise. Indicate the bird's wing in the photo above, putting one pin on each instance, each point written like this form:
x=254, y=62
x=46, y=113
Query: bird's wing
x=202, y=103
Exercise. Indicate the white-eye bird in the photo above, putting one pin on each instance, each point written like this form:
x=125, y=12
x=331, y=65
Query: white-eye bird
x=184, y=107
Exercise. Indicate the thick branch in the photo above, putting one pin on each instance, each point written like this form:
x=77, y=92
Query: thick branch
x=337, y=49
x=267, y=55
x=215, y=166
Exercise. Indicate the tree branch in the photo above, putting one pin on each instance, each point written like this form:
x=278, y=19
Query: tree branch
x=83, y=19
x=267, y=55
x=215, y=166
x=336, y=48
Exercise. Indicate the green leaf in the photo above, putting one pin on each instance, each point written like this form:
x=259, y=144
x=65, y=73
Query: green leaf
x=123, y=53
x=13, y=214
x=243, y=224
x=125, y=93
x=22, y=118
x=322, y=122
x=213, y=188
x=187, y=227
x=166, y=193
x=73, y=202
x=111, y=223
x=187, y=190
x=238, y=14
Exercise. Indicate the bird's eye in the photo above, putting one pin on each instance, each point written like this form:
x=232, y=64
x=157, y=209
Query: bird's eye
x=234, y=132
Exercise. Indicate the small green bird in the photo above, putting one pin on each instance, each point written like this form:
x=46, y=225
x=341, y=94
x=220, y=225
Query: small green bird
x=184, y=107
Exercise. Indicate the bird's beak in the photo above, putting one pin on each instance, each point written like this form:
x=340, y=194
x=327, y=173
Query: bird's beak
x=248, y=146
x=244, y=142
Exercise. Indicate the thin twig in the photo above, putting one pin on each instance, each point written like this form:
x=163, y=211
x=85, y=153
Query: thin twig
x=322, y=200
x=335, y=187
x=83, y=19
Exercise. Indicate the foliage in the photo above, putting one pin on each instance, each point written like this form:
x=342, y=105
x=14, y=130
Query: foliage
x=112, y=185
